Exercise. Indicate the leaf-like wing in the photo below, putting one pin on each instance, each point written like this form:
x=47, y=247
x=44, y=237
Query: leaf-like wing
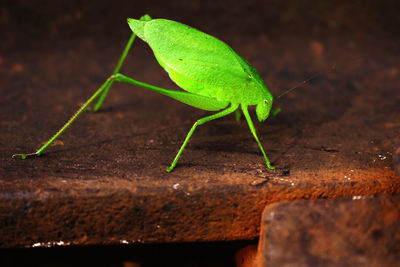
x=196, y=61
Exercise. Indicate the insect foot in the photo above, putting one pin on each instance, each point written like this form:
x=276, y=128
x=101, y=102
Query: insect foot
x=24, y=156
x=270, y=166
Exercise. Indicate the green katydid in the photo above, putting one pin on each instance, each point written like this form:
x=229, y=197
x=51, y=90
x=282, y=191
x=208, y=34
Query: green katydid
x=214, y=77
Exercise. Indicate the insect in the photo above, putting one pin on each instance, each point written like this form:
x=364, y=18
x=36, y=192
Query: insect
x=214, y=77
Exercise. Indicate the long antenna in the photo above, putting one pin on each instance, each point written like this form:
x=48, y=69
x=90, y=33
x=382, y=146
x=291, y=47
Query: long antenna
x=300, y=84
x=313, y=77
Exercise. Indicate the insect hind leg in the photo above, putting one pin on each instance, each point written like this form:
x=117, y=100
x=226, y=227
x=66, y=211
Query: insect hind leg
x=106, y=84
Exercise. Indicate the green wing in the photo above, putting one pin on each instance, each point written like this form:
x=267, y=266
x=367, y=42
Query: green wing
x=197, y=62
x=200, y=63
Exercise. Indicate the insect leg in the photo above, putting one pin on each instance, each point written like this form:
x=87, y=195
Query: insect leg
x=237, y=115
x=119, y=65
x=202, y=102
x=70, y=121
x=253, y=131
x=201, y=121
x=194, y=100
x=116, y=70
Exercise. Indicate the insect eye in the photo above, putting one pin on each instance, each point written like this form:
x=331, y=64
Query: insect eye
x=266, y=101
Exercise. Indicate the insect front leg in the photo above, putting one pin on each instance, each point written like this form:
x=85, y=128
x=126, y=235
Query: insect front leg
x=253, y=131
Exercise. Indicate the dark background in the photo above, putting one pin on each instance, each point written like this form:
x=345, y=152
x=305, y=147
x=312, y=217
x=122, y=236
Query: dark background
x=287, y=41
x=362, y=27
x=73, y=20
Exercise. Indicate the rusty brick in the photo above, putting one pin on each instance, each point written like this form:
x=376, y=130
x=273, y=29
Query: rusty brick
x=246, y=257
x=362, y=231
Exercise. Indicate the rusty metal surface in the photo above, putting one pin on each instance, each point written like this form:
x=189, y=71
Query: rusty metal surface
x=362, y=231
x=103, y=182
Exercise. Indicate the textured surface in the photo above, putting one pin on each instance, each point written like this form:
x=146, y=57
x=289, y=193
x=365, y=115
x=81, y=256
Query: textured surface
x=362, y=231
x=396, y=160
x=103, y=182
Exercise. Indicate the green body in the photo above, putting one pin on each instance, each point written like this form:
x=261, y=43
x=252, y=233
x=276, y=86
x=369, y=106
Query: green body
x=204, y=65
x=214, y=76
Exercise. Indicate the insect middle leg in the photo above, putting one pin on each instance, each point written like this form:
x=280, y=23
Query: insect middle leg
x=238, y=115
x=201, y=121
